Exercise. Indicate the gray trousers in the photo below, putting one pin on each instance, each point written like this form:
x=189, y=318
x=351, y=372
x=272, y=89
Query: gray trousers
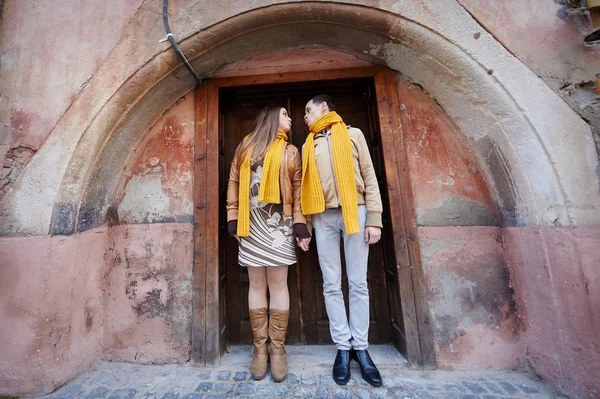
x=329, y=228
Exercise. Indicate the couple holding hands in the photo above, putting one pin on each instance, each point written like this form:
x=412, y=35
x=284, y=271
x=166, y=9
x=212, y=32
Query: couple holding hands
x=275, y=197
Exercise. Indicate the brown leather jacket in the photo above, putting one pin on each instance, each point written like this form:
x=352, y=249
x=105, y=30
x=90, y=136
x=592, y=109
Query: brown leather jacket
x=290, y=179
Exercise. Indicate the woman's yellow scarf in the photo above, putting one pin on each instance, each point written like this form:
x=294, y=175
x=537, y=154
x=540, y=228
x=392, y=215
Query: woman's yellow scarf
x=312, y=199
x=269, y=183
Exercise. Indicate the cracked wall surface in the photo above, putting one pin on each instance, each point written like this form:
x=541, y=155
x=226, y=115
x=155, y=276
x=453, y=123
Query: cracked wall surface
x=470, y=297
x=548, y=37
x=56, y=49
x=52, y=312
x=156, y=182
x=148, y=293
x=545, y=194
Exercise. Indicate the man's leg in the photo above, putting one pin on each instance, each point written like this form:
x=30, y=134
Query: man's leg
x=357, y=260
x=327, y=236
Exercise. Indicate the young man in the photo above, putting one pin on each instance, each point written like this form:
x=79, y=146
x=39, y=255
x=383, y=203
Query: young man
x=340, y=191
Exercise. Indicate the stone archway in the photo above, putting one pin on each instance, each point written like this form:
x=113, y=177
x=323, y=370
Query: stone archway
x=533, y=161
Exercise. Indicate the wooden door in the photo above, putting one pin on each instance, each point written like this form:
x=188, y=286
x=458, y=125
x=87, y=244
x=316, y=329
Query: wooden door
x=356, y=103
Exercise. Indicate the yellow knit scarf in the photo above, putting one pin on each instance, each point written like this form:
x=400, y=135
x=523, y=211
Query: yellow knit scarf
x=269, y=183
x=312, y=199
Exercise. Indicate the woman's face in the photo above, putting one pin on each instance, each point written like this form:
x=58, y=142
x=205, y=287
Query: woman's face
x=285, y=122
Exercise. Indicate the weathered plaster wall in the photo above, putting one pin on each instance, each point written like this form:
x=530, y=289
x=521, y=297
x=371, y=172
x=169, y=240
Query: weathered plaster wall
x=147, y=302
x=156, y=182
x=149, y=259
x=448, y=184
x=497, y=297
x=51, y=310
x=292, y=60
x=554, y=271
x=556, y=279
x=537, y=152
x=481, y=86
x=549, y=40
x=50, y=51
x=118, y=293
x=471, y=300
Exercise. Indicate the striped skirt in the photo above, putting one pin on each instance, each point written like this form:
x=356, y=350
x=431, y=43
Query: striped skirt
x=271, y=240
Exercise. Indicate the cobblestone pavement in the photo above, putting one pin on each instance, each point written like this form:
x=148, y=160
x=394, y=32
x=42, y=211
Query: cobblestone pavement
x=126, y=381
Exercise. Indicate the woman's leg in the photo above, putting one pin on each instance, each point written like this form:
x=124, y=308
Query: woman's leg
x=257, y=304
x=278, y=288
x=257, y=293
x=278, y=319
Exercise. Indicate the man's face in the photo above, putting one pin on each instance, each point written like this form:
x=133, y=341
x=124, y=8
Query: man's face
x=313, y=111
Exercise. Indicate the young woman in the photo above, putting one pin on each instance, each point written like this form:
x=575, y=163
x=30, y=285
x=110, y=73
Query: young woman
x=263, y=214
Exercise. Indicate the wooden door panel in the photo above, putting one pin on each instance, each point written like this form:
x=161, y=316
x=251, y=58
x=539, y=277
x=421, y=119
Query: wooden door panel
x=308, y=317
x=206, y=323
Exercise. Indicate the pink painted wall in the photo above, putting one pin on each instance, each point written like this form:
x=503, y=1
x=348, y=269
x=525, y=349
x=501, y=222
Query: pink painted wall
x=549, y=40
x=149, y=259
x=130, y=297
x=556, y=277
x=540, y=34
x=141, y=280
x=51, y=310
x=448, y=186
x=49, y=52
x=498, y=298
x=119, y=293
x=156, y=182
x=147, y=300
x=470, y=299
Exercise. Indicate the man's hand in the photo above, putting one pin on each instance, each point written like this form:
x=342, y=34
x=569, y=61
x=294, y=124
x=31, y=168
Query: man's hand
x=237, y=238
x=303, y=243
x=372, y=234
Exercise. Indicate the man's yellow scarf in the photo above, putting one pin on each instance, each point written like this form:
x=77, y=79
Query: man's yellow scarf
x=312, y=199
x=269, y=183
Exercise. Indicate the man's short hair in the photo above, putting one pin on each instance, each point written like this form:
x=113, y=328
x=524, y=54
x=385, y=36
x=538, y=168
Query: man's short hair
x=319, y=98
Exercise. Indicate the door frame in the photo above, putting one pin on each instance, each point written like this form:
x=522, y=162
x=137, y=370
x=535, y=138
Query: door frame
x=208, y=341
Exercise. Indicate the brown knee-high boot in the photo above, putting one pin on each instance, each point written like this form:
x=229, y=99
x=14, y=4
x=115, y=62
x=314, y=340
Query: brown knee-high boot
x=259, y=324
x=278, y=323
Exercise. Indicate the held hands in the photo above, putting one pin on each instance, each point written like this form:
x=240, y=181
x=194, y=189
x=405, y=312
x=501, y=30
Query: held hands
x=303, y=243
x=372, y=234
x=302, y=235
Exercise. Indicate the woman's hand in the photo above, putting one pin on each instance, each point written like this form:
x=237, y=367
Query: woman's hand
x=302, y=235
x=303, y=243
x=232, y=229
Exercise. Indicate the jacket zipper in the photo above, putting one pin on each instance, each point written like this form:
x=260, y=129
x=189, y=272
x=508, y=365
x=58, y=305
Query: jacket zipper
x=337, y=196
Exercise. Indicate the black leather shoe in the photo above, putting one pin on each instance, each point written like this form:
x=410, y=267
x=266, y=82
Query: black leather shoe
x=341, y=367
x=368, y=370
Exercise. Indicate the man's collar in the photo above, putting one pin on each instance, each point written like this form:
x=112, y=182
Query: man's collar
x=323, y=132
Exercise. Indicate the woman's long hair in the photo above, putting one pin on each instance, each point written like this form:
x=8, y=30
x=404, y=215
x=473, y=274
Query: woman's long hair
x=265, y=130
